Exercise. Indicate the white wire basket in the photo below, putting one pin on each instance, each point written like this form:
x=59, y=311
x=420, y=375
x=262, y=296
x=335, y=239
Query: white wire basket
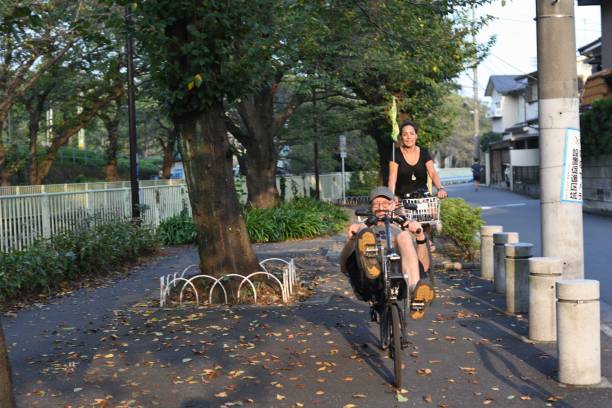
x=427, y=211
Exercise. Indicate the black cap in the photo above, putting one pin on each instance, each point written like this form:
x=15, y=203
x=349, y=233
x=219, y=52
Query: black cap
x=381, y=191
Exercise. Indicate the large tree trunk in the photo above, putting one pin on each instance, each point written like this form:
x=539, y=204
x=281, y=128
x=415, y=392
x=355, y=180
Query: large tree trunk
x=34, y=107
x=257, y=114
x=111, y=170
x=6, y=384
x=384, y=145
x=168, y=152
x=223, y=241
x=111, y=123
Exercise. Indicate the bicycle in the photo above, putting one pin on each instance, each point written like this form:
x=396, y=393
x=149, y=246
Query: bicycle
x=393, y=317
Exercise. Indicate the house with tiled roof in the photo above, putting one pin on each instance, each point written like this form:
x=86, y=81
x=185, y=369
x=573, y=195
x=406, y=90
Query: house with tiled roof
x=506, y=92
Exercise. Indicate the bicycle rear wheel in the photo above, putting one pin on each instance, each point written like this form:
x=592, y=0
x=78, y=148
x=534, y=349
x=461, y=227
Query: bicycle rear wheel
x=396, y=345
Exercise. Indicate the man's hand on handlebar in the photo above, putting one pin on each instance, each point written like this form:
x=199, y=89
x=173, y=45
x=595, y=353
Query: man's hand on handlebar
x=412, y=226
x=354, y=229
x=442, y=193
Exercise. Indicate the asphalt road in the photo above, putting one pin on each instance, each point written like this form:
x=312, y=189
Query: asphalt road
x=522, y=214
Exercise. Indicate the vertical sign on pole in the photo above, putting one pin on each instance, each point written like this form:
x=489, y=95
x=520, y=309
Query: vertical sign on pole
x=342, y=157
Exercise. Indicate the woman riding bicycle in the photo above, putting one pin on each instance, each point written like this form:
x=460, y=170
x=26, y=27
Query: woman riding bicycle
x=411, y=164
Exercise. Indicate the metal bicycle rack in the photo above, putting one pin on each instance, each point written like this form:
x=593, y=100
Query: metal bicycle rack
x=286, y=281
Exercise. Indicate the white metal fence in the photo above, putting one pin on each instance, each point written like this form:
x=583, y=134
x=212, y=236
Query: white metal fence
x=66, y=188
x=26, y=218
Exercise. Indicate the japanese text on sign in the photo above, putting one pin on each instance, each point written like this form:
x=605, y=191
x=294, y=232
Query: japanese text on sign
x=571, y=188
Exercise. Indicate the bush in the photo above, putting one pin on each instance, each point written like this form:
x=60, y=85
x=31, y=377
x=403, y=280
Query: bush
x=43, y=266
x=461, y=223
x=300, y=218
x=177, y=230
x=596, y=129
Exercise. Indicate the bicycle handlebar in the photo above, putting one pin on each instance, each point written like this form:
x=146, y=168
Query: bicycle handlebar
x=372, y=219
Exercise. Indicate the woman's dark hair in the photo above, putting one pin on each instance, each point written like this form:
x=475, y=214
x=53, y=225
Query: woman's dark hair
x=409, y=123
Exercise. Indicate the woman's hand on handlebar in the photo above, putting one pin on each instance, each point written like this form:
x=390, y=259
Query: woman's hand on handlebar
x=442, y=193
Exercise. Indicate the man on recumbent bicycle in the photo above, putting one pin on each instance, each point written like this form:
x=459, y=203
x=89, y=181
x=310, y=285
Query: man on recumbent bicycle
x=359, y=260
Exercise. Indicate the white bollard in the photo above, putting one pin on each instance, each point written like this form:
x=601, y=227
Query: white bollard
x=486, y=249
x=517, y=276
x=578, y=338
x=543, y=274
x=499, y=258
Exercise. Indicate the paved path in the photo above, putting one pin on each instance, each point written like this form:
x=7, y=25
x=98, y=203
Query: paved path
x=113, y=346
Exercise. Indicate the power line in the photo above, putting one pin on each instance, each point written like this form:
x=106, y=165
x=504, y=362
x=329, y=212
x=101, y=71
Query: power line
x=513, y=67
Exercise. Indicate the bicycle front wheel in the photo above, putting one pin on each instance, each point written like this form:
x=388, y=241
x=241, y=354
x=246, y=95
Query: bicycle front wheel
x=384, y=325
x=396, y=345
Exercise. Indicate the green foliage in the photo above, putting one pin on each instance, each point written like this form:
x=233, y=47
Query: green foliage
x=596, y=129
x=362, y=182
x=206, y=52
x=461, y=223
x=397, y=48
x=71, y=256
x=177, y=230
x=489, y=137
x=300, y=218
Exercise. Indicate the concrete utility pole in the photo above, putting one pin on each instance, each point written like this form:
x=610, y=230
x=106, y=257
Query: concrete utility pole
x=560, y=163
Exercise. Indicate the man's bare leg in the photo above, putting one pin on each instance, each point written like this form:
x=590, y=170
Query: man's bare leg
x=410, y=263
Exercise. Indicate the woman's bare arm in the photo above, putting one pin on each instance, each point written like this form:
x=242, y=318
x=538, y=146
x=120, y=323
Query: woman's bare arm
x=392, y=176
x=435, y=179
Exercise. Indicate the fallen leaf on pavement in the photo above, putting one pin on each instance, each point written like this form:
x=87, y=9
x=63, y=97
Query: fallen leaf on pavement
x=469, y=370
x=424, y=372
